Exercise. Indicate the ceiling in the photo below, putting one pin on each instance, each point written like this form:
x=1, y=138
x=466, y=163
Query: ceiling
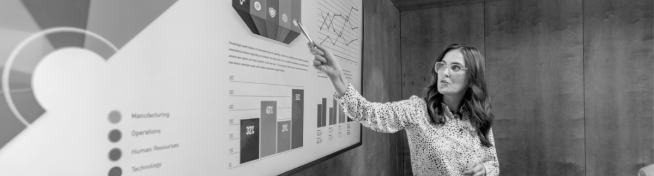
x=404, y=5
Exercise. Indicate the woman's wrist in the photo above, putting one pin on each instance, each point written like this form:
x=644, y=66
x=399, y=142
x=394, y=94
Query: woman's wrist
x=335, y=75
x=338, y=81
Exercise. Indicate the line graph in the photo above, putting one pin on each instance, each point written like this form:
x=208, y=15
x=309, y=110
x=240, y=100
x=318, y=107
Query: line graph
x=339, y=32
x=339, y=28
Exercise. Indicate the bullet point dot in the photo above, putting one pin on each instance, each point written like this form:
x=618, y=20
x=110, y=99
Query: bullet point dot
x=115, y=154
x=114, y=117
x=114, y=136
x=115, y=171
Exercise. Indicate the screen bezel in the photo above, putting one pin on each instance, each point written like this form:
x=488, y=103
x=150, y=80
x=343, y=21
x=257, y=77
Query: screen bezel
x=353, y=146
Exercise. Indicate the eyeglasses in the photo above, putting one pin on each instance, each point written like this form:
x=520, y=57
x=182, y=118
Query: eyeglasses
x=454, y=68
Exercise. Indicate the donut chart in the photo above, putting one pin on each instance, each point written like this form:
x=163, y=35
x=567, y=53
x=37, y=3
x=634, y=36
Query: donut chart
x=170, y=87
x=60, y=27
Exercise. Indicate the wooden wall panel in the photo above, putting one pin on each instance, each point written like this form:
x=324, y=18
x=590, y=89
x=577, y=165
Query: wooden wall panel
x=406, y=5
x=572, y=82
x=382, y=83
x=535, y=72
x=424, y=35
x=619, y=86
x=378, y=155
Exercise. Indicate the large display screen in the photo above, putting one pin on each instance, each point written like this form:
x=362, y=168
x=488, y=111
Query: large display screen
x=172, y=87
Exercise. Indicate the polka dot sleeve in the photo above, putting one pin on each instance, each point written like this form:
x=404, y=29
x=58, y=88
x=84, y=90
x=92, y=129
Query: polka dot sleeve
x=382, y=117
x=490, y=157
x=436, y=149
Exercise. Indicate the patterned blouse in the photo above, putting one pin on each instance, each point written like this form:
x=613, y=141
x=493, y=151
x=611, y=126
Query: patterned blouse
x=436, y=149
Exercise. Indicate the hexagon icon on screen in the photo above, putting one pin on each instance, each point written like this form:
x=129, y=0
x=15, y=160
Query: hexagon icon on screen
x=271, y=18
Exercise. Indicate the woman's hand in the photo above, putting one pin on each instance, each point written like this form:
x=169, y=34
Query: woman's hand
x=324, y=60
x=475, y=169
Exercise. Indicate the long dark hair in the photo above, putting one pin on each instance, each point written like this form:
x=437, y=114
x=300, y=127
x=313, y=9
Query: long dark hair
x=476, y=99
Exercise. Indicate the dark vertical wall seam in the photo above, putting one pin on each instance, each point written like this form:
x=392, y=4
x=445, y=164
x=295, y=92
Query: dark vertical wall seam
x=583, y=78
x=401, y=151
x=485, y=34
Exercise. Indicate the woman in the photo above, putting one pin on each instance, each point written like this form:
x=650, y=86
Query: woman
x=449, y=130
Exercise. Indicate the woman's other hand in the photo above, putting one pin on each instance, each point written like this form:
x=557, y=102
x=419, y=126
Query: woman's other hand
x=475, y=169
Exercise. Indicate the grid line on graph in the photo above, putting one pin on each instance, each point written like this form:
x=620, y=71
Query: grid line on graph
x=339, y=27
x=270, y=134
x=338, y=30
x=347, y=48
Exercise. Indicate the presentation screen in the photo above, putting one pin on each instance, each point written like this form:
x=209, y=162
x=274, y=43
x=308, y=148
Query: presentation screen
x=172, y=87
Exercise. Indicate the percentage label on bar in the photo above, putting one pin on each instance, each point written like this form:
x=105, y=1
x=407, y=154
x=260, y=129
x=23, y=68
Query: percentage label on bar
x=269, y=110
x=250, y=130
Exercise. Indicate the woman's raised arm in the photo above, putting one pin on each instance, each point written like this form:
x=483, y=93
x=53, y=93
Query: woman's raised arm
x=382, y=117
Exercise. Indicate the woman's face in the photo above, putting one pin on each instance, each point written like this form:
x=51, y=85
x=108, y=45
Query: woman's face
x=449, y=81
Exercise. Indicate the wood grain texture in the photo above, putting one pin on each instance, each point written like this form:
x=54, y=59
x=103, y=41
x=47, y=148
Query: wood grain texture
x=407, y=5
x=618, y=61
x=425, y=33
x=535, y=77
x=378, y=155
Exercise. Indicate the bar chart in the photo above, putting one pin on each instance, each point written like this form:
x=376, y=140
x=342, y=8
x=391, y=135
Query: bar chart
x=268, y=134
x=282, y=111
x=264, y=123
x=330, y=116
x=331, y=121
